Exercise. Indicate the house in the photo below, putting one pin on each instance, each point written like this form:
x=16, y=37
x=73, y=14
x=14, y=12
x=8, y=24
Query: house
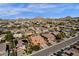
x=2, y=37
x=55, y=32
x=20, y=43
x=38, y=30
x=38, y=40
x=29, y=32
x=50, y=37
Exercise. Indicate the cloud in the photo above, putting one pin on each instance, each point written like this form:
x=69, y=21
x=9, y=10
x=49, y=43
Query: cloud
x=18, y=10
x=10, y=10
x=36, y=8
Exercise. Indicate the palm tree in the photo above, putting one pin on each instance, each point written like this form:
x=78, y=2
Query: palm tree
x=14, y=47
x=13, y=42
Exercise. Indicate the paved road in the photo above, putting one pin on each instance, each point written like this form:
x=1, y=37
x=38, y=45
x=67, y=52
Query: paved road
x=55, y=48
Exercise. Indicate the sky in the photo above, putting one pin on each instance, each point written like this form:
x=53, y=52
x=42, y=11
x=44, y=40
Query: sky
x=32, y=10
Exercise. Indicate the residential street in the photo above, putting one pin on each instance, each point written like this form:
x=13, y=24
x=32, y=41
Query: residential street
x=52, y=49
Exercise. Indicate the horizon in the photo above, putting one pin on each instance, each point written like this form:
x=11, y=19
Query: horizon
x=33, y=10
x=35, y=17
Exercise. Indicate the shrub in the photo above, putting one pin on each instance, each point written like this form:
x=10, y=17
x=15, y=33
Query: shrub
x=35, y=47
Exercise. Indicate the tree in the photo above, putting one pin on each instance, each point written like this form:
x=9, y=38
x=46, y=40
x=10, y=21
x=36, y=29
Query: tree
x=55, y=29
x=61, y=23
x=13, y=42
x=72, y=33
x=16, y=42
x=28, y=50
x=14, y=47
x=14, y=52
x=60, y=36
x=63, y=34
x=35, y=47
x=7, y=32
x=78, y=19
x=9, y=37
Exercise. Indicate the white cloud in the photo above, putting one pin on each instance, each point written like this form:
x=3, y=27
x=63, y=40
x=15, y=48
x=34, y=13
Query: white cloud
x=10, y=10
x=36, y=8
